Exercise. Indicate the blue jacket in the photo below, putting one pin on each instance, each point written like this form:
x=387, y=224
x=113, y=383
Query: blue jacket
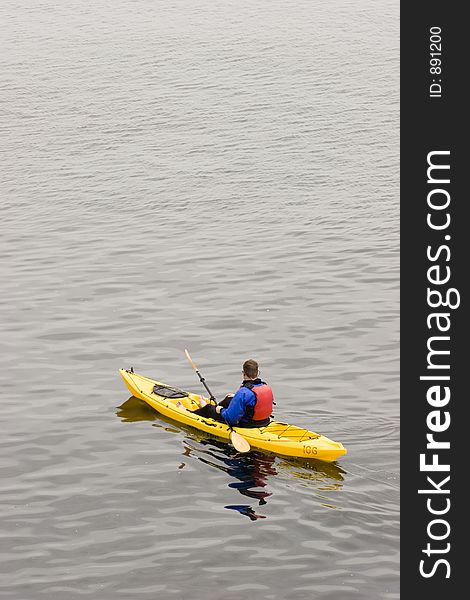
x=238, y=404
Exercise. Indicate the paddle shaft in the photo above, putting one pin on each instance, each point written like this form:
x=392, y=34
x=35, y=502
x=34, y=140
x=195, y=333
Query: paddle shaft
x=238, y=441
x=203, y=381
x=201, y=378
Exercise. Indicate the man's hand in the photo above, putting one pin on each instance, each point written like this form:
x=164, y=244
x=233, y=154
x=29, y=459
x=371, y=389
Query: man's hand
x=218, y=409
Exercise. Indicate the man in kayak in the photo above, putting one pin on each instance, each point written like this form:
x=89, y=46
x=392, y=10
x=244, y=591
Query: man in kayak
x=251, y=406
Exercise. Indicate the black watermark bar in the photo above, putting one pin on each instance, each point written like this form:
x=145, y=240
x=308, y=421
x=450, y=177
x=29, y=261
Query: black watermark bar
x=435, y=351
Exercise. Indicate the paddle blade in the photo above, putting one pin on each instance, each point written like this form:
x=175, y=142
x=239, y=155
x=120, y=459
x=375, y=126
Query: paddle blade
x=188, y=356
x=239, y=442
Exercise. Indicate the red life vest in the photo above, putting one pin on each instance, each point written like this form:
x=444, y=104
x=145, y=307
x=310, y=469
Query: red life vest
x=264, y=401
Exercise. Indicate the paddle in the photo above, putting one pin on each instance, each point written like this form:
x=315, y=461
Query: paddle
x=201, y=378
x=238, y=441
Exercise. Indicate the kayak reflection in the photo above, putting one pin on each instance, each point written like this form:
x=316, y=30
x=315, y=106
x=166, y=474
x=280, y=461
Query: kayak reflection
x=249, y=472
x=134, y=410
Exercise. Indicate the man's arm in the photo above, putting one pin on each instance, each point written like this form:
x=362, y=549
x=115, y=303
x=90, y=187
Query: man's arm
x=236, y=408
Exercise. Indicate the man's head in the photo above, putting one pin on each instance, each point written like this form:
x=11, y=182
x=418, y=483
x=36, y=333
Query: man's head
x=250, y=369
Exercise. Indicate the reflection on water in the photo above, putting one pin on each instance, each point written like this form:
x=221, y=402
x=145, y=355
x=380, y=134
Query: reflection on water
x=134, y=410
x=250, y=472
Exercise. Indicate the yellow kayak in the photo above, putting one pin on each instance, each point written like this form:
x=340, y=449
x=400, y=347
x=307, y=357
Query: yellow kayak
x=280, y=438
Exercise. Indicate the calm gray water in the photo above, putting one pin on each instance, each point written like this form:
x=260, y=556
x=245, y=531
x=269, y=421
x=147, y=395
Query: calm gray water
x=222, y=176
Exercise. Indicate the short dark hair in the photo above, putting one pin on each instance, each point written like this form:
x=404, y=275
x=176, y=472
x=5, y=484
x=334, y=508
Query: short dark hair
x=250, y=368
